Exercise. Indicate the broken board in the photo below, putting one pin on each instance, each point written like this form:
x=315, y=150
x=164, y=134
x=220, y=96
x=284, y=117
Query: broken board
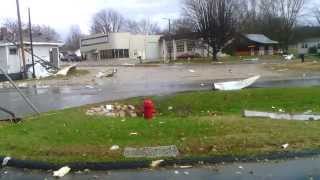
x=281, y=116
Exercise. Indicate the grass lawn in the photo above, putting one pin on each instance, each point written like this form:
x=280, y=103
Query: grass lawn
x=200, y=124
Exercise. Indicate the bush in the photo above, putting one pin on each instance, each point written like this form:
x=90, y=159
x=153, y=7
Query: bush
x=313, y=50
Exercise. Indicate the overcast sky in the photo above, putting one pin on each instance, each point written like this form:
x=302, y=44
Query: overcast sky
x=61, y=14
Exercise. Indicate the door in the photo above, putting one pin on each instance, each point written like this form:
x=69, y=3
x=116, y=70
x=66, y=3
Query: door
x=152, y=51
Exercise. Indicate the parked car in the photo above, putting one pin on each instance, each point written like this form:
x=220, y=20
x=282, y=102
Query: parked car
x=71, y=57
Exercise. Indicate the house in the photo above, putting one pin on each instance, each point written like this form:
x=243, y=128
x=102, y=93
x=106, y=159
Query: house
x=183, y=46
x=120, y=45
x=304, y=45
x=255, y=44
x=11, y=58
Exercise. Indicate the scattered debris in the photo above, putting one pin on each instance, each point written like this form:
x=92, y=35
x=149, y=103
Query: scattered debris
x=151, y=152
x=282, y=70
x=308, y=112
x=186, y=173
x=202, y=85
x=185, y=167
x=281, y=111
x=288, y=57
x=89, y=87
x=176, y=172
x=66, y=70
x=281, y=116
x=62, y=172
x=156, y=163
x=285, y=146
x=192, y=71
x=114, y=148
x=107, y=74
x=5, y=161
x=40, y=71
x=240, y=167
x=128, y=64
x=113, y=110
x=133, y=134
x=170, y=108
x=238, y=172
x=235, y=85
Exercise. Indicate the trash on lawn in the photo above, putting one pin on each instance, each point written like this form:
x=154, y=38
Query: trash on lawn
x=106, y=74
x=308, y=112
x=156, y=163
x=170, y=108
x=192, y=71
x=282, y=70
x=133, y=134
x=288, y=57
x=235, y=85
x=281, y=116
x=40, y=71
x=5, y=161
x=285, y=146
x=62, y=172
x=89, y=87
x=66, y=70
x=114, y=148
x=281, y=110
x=113, y=110
x=176, y=172
x=240, y=167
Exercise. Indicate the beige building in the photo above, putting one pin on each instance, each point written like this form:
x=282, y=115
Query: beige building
x=122, y=45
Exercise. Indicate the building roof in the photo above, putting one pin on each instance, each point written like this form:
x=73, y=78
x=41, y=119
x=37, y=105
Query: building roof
x=260, y=38
x=193, y=35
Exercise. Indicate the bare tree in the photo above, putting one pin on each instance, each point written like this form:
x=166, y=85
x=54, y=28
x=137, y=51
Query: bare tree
x=73, y=39
x=107, y=21
x=285, y=14
x=39, y=32
x=316, y=12
x=215, y=20
x=142, y=27
x=182, y=25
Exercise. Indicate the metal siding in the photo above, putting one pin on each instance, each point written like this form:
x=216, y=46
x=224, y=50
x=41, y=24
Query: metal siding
x=3, y=57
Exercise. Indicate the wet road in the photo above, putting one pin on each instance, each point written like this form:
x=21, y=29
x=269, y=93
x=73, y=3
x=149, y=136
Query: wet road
x=301, y=169
x=55, y=98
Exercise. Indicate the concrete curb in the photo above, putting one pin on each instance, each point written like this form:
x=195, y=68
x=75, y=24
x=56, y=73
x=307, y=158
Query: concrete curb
x=37, y=165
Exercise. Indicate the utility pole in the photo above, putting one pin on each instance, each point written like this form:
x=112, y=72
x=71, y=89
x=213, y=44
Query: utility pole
x=21, y=41
x=170, y=39
x=31, y=44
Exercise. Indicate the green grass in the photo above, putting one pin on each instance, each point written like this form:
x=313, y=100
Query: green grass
x=200, y=124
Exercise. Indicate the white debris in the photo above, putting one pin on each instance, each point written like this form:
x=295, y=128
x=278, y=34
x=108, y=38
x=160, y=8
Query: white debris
x=5, y=161
x=288, y=57
x=66, y=70
x=192, y=71
x=40, y=71
x=186, y=173
x=235, y=85
x=133, y=134
x=273, y=107
x=100, y=75
x=176, y=172
x=156, y=163
x=240, y=167
x=62, y=172
x=308, y=112
x=285, y=146
x=239, y=173
x=281, y=111
x=202, y=85
x=114, y=148
x=185, y=167
x=170, y=108
x=109, y=107
x=23, y=85
x=89, y=87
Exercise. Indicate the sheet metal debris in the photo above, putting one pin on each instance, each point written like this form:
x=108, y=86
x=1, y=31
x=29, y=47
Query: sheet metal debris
x=281, y=116
x=235, y=85
x=62, y=172
x=156, y=163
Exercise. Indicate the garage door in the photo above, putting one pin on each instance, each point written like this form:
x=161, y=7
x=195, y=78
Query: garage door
x=152, y=51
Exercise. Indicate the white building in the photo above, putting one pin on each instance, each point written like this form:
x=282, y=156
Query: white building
x=304, y=46
x=122, y=45
x=11, y=59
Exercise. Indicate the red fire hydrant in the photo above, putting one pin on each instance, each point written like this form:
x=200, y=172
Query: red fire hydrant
x=148, y=109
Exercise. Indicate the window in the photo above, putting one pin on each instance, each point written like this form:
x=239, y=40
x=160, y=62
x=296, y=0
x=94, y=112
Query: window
x=318, y=45
x=180, y=46
x=190, y=45
x=114, y=53
x=304, y=46
x=13, y=51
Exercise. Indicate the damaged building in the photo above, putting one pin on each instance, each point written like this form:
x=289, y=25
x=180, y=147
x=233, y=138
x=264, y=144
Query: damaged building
x=11, y=58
